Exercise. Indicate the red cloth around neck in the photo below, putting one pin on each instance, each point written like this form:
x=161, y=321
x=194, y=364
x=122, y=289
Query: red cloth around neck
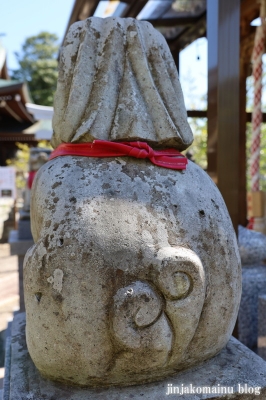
x=31, y=178
x=169, y=158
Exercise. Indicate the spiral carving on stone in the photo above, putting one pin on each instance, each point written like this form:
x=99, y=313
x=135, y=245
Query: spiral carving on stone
x=144, y=320
x=140, y=326
x=128, y=281
x=181, y=280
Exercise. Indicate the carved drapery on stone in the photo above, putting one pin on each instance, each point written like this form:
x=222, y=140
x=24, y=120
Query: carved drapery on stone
x=118, y=81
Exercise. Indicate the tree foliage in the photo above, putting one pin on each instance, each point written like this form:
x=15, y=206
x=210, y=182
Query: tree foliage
x=21, y=161
x=38, y=66
x=198, y=150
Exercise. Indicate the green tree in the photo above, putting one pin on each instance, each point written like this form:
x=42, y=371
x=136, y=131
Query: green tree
x=38, y=66
x=198, y=149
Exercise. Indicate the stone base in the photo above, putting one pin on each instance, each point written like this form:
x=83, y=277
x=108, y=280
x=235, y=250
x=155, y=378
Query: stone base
x=253, y=285
x=19, y=248
x=235, y=369
x=24, y=229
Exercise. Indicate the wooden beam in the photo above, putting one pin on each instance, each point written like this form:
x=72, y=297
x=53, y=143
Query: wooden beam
x=17, y=138
x=4, y=72
x=188, y=35
x=223, y=33
x=249, y=117
x=250, y=9
x=242, y=200
x=13, y=99
x=170, y=22
x=197, y=113
x=82, y=9
x=134, y=8
x=203, y=114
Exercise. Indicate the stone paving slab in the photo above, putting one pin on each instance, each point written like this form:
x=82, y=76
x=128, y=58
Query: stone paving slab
x=235, y=365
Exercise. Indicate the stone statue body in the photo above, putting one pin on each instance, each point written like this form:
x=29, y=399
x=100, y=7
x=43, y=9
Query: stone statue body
x=37, y=159
x=135, y=271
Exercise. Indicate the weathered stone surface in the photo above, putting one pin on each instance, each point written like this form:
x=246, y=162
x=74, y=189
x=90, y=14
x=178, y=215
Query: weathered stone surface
x=236, y=368
x=118, y=81
x=7, y=377
x=252, y=246
x=135, y=272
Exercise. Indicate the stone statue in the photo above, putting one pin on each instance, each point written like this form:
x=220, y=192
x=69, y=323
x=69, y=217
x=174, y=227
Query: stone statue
x=135, y=270
x=38, y=157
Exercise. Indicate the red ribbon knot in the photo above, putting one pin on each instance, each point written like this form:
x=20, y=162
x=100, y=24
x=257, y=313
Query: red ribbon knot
x=169, y=158
x=142, y=150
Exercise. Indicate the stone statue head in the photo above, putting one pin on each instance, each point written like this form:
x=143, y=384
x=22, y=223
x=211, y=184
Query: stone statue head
x=135, y=271
x=37, y=159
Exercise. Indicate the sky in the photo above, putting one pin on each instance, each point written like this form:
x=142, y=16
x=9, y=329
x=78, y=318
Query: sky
x=193, y=71
x=20, y=19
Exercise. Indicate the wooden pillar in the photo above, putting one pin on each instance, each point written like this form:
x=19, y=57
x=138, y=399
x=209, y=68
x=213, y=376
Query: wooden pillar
x=223, y=33
x=242, y=201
